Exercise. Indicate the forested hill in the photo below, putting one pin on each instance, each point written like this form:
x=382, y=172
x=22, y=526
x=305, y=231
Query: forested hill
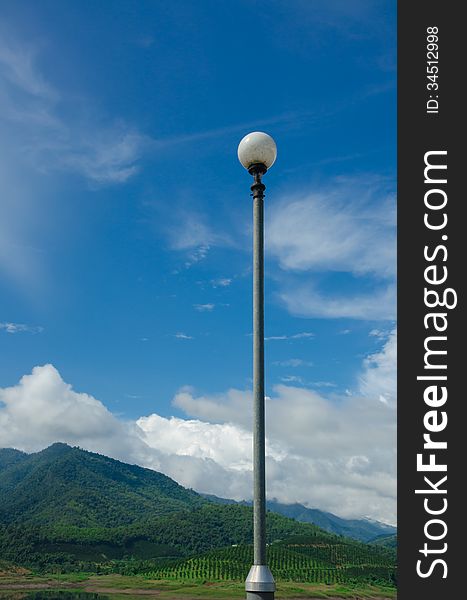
x=66, y=508
x=363, y=530
x=65, y=486
x=62, y=485
x=68, y=495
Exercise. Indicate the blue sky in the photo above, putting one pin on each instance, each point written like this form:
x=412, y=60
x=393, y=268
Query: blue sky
x=125, y=234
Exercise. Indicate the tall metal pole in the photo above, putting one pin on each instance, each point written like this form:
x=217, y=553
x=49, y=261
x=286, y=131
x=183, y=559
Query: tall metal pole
x=260, y=582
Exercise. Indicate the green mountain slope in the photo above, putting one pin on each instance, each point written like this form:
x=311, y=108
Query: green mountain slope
x=68, y=486
x=9, y=456
x=386, y=541
x=75, y=510
x=363, y=530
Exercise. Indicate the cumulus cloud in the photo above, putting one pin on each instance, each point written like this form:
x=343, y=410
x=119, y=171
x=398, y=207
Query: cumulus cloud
x=338, y=454
x=334, y=453
x=42, y=409
x=379, y=376
x=226, y=444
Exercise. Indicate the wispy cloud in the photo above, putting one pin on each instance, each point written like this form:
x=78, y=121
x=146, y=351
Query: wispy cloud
x=17, y=67
x=325, y=384
x=306, y=301
x=110, y=158
x=346, y=227
x=33, y=109
x=294, y=336
x=20, y=328
x=44, y=131
x=292, y=379
x=221, y=282
x=183, y=336
x=293, y=362
x=379, y=333
x=204, y=307
x=345, y=231
x=190, y=233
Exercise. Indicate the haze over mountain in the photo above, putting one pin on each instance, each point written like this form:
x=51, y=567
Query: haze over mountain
x=70, y=509
x=62, y=485
x=365, y=530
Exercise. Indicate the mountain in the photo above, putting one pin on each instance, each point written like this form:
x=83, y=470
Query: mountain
x=75, y=510
x=386, y=541
x=69, y=486
x=363, y=530
x=65, y=488
x=10, y=456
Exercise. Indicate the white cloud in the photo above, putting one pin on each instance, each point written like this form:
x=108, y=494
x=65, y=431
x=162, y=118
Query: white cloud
x=189, y=232
x=292, y=379
x=31, y=115
x=306, y=301
x=379, y=333
x=183, y=336
x=20, y=327
x=43, y=409
x=18, y=69
x=109, y=158
x=326, y=384
x=293, y=362
x=204, y=307
x=346, y=228
x=337, y=454
x=221, y=282
x=227, y=444
x=294, y=336
x=379, y=377
x=43, y=130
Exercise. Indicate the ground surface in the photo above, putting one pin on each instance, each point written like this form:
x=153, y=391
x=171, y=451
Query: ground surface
x=117, y=587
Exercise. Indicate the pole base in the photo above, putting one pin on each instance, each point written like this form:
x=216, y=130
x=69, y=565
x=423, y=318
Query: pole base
x=259, y=582
x=260, y=596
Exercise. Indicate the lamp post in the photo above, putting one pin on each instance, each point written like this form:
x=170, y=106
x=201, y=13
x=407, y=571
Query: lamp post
x=257, y=152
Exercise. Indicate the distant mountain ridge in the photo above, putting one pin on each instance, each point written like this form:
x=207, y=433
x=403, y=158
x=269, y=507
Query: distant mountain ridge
x=75, y=510
x=62, y=498
x=364, y=530
x=73, y=487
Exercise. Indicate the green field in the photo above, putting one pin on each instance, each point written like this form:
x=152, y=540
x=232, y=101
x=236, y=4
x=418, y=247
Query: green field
x=117, y=587
x=75, y=520
x=303, y=559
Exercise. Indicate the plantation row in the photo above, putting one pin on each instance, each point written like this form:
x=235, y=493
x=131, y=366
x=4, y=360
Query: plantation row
x=341, y=554
x=311, y=555
x=234, y=563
